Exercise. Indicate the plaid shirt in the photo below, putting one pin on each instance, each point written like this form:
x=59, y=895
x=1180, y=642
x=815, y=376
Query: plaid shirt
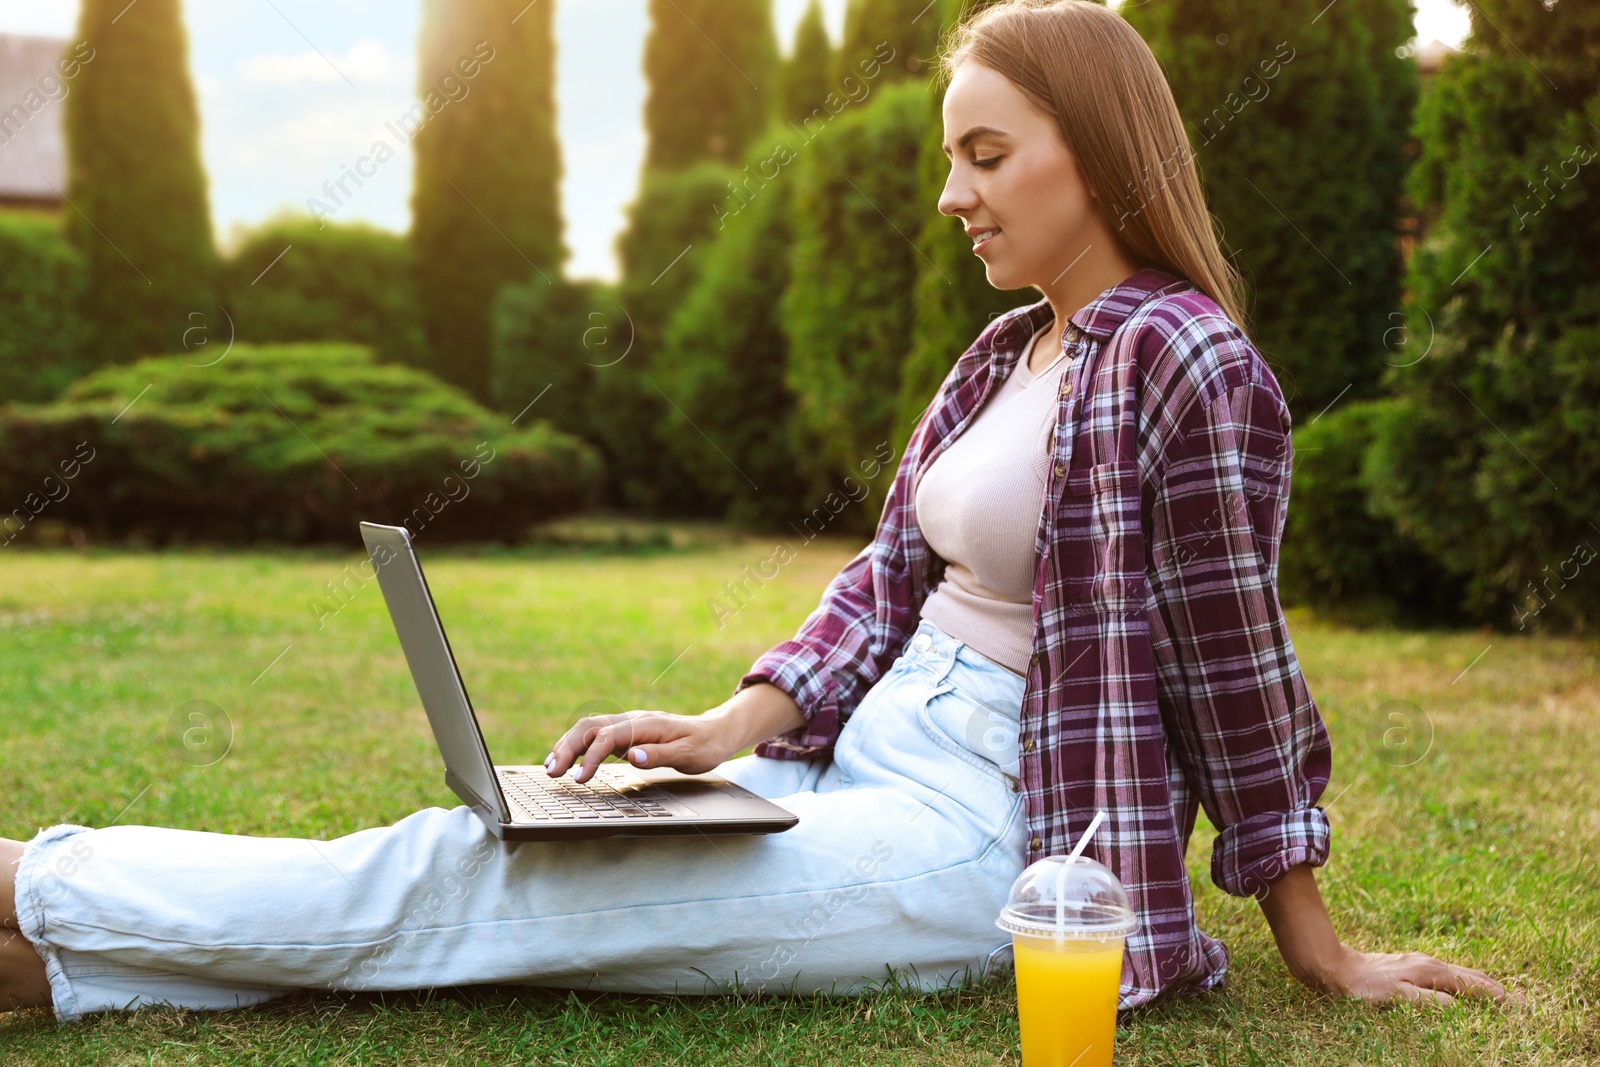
x=1162, y=676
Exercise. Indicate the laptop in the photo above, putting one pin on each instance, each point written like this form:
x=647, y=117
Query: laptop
x=523, y=803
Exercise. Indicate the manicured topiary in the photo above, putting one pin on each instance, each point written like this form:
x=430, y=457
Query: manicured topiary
x=283, y=443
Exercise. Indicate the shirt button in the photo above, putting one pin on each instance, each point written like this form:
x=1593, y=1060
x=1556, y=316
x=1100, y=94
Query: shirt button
x=1035, y=844
x=1029, y=745
x=1061, y=468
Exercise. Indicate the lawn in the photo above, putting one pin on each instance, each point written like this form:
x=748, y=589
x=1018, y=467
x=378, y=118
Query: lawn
x=1464, y=801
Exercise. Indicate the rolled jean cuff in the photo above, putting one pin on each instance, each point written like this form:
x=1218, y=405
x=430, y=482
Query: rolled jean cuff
x=31, y=919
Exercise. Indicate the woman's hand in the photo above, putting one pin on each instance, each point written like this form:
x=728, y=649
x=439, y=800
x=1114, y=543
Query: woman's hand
x=1315, y=955
x=1381, y=977
x=692, y=744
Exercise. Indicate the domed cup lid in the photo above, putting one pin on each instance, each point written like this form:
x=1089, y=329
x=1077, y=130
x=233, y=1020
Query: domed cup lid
x=1066, y=897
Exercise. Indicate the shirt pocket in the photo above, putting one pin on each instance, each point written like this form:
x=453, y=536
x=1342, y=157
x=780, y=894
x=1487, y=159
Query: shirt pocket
x=1100, y=549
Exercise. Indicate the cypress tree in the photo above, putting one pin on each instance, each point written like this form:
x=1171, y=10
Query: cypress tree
x=909, y=27
x=725, y=351
x=138, y=208
x=485, y=203
x=672, y=222
x=709, y=65
x=1491, y=454
x=954, y=300
x=805, y=82
x=711, y=70
x=1298, y=120
x=848, y=308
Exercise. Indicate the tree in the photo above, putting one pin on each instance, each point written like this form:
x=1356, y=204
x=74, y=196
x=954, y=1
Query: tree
x=294, y=279
x=806, y=73
x=1491, y=459
x=672, y=222
x=954, y=300
x=848, y=310
x=724, y=355
x=485, y=202
x=1298, y=126
x=136, y=191
x=709, y=66
x=910, y=29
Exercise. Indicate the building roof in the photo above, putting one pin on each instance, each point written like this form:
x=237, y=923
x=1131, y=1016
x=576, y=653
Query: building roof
x=33, y=152
x=1431, y=55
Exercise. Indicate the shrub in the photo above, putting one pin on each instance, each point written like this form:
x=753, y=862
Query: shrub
x=41, y=336
x=549, y=339
x=722, y=361
x=291, y=442
x=335, y=282
x=848, y=310
x=1298, y=124
x=671, y=222
x=1493, y=463
x=1338, y=554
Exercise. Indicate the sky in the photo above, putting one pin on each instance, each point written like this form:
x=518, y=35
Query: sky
x=291, y=91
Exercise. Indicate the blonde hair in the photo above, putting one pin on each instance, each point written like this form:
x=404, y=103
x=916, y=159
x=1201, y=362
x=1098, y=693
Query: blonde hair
x=1083, y=65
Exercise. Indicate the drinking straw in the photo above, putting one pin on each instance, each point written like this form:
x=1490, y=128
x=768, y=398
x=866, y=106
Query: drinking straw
x=1061, y=872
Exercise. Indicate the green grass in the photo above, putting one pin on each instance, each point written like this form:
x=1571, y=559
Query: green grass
x=1476, y=844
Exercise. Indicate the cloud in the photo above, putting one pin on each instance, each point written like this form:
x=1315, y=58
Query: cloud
x=366, y=61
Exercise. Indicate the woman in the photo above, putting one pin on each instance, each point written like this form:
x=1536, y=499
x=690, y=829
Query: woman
x=973, y=685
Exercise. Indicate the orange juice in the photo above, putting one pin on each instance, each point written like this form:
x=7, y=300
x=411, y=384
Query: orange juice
x=1067, y=999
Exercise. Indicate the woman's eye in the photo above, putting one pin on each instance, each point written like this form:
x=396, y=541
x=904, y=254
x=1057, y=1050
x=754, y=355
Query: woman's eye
x=986, y=164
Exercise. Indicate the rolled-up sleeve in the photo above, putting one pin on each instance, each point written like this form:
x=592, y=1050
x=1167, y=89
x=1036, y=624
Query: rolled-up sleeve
x=827, y=666
x=1232, y=696
x=856, y=631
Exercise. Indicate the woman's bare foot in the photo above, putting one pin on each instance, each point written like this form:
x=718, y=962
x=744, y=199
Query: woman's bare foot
x=22, y=979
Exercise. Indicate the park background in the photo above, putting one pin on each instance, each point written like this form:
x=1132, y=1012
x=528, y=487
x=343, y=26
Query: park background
x=635, y=484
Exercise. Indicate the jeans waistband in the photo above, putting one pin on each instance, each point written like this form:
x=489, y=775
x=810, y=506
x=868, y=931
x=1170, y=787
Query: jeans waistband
x=928, y=642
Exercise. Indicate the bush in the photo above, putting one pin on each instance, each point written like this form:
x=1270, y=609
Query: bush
x=1313, y=229
x=336, y=282
x=41, y=279
x=722, y=360
x=671, y=222
x=1493, y=464
x=848, y=310
x=1340, y=556
x=548, y=339
x=292, y=443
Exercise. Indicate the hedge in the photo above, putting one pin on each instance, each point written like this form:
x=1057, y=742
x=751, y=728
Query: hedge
x=294, y=443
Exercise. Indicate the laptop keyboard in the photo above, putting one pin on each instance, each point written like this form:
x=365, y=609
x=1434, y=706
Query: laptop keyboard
x=559, y=799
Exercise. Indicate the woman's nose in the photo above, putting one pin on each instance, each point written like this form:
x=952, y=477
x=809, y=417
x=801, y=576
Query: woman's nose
x=956, y=197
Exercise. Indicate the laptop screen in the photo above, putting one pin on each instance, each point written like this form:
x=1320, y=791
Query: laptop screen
x=433, y=667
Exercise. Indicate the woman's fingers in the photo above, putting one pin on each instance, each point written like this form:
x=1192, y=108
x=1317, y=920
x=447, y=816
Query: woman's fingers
x=1422, y=995
x=576, y=741
x=1436, y=974
x=643, y=738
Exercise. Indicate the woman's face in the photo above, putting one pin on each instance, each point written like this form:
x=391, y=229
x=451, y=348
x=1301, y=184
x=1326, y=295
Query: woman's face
x=1010, y=170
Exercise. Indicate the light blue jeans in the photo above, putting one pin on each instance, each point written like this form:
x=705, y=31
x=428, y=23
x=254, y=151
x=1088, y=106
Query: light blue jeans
x=908, y=841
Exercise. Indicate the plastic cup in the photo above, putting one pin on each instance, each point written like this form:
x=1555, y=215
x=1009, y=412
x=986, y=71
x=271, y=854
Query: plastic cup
x=1068, y=917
